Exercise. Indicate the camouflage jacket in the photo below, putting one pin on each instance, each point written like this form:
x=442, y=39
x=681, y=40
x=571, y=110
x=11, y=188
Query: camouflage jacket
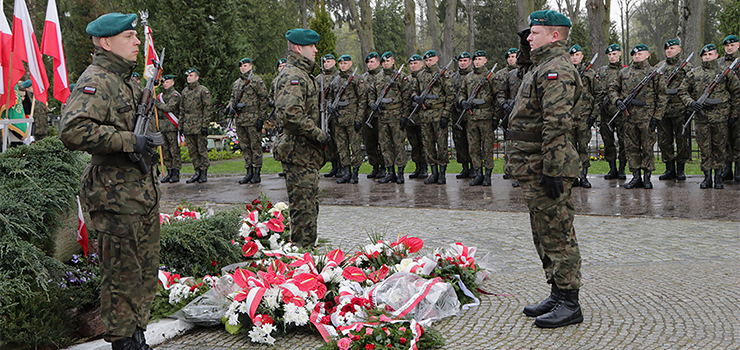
x=171, y=105
x=441, y=98
x=603, y=76
x=396, y=100
x=582, y=110
x=724, y=100
x=727, y=60
x=195, y=108
x=255, y=99
x=457, y=80
x=353, y=101
x=673, y=102
x=99, y=118
x=508, y=86
x=541, y=123
x=297, y=102
x=484, y=103
x=650, y=102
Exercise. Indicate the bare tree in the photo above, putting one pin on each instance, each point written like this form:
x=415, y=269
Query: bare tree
x=303, y=6
x=471, y=25
x=409, y=21
x=448, y=44
x=523, y=9
x=433, y=23
x=692, y=25
x=359, y=16
x=626, y=10
x=598, y=20
x=570, y=8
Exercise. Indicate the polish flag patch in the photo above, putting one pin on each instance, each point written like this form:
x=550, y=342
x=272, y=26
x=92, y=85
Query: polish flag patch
x=89, y=90
x=552, y=76
x=294, y=82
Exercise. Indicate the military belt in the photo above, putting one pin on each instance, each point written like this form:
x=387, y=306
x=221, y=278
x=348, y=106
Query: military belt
x=116, y=159
x=393, y=106
x=523, y=136
x=636, y=102
x=436, y=105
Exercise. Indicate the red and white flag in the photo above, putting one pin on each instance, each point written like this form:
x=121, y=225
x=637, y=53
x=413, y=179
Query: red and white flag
x=151, y=54
x=51, y=44
x=171, y=116
x=26, y=49
x=6, y=46
x=81, y=229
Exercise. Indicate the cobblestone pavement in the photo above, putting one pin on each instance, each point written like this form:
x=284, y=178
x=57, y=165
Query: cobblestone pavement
x=649, y=283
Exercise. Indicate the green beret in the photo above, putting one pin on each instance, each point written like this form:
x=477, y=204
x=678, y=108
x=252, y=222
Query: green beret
x=71, y=87
x=480, y=53
x=168, y=77
x=191, y=70
x=430, y=53
x=112, y=24
x=612, y=48
x=281, y=61
x=548, y=18
x=575, y=48
x=414, y=58
x=730, y=39
x=463, y=54
x=344, y=58
x=134, y=74
x=371, y=55
x=244, y=60
x=329, y=56
x=303, y=37
x=707, y=48
x=386, y=55
x=510, y=51
x=638, y=48
x=26, y=84
x=670, y=43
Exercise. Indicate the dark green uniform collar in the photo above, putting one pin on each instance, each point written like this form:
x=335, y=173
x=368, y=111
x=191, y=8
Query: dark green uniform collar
x=301, y=62
x=376, y=70
x=331, y=71
x=465, y=71
x=244, y=76
x=673, y=60
x=480, y=70
x=710, y=65
x=431, y=69
x=579, y=66
x=345, y=73
x=510, y=66
x=548, y=50
x=615, y=65
x=113, y=62
x=193, y=85
x=641, y=64
x=389, y=71
x=729, y=57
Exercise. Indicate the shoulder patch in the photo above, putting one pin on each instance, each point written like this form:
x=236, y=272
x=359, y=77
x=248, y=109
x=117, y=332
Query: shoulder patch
x=177, y=94
x=362, y=81
x=294, y=82
x=552, y=76
x=208, y=92
x=89, y=90
x=405, y=78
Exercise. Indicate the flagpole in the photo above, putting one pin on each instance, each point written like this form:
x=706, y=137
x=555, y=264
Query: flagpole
x=161, y=159
x=10, y=79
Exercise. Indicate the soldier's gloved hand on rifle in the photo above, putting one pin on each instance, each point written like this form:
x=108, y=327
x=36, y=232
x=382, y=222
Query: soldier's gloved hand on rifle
x=495, y=123
x=553, y=186
x=508, y=107
x=444, y=122
x=232, y=111
x=358, y=126
x=374, y=106
x=416, y=99
x=258, y=125
x=591, y=121
x=697, y=106
x=732, y=121
x=404, y=121
x=653, y=124
x=330, y=109
x=620, y=104
x=144, y=144
x=327, y=141
x=204, y=131
x=466, y=105
x=271, y=104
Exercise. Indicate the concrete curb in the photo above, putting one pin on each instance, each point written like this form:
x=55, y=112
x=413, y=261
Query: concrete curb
x=156, y=333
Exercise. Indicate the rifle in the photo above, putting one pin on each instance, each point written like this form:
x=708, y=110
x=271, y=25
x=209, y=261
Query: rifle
x=471, y=98
x=239, y=105
x=338, y=96
x=633, y=94
x=675, y=71
x=591, y=63
x=424, y=93
x=322, y=102
x=381, y=97
x=144, y=112
x=705, y=96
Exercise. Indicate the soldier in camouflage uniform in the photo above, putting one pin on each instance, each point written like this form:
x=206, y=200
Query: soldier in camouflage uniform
x=370, y=135
x=347, y=119
x=413, y=131
x=249, y=111
x=329, y=66
x=581, y=116
x=272, y=117
x=508, y=86
x=434, y=119
x=646, y=110
x=460, y=136
x=123, y=202
x=168, y=104
x=731, y=44
x=671, y=127
x=720, y=108
x=301, y=146
x=605, y=108
x=483, y=120
x=195, y=107
x=542, y=157
x=391, y=114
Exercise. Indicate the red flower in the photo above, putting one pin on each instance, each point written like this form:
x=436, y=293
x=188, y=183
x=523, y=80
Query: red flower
x=354, y=274
x=389, y=346
x=355, y=337
x=306, y=281
x=250, y=248
x=276, y=225
x=378, y=275
x=249, y=207
x=196, y=286
x=262, y=319
x=413, y=244
x=269, y=205
x=256, y=201
x=369, y=346
x=326, y=319
x=402, y=340
x=214, y=263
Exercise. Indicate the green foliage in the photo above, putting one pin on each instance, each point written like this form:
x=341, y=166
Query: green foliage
x=388, y=29
x=213, y=154
x=495, y=22
x=323, y=25
x=729, y=18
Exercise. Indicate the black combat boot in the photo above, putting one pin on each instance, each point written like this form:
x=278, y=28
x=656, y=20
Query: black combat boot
x=203, y=176
x=727, y=173
x=680, y=174
x=636, y=180
x=620, y=173
x=140, y=339
x=442, y=175
x=175, y=178
x=718, y=180
x=247, y=177
x=340, y=170
x=127, y=343
x=478, y=179
x=737, y=171
x=584, y=178
x=390, y=176
x=487, y=177
x=281, y=174
x=355, y=175
x=506, y=176
x=194, y=178
x=544, y=306
x=167, y=178
x=399, y=176
x=612, y=174
x=381, y=172
x=347, y=175
x=334, y=169
x=646, y=183
x=566, y=311
x=471, y=174
x=256, y=178
x=424, y=173
x=435, y=176
x=707, y=183
x=670, y=171
x=464, y=173
x=417, y=171
x=374, y=173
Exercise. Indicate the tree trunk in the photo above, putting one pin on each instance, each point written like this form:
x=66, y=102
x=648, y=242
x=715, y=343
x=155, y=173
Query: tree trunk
x=409, y=20
x=471, y=26
x=303, y=5
x=523, y=9
x=598, y=20
x=448, y=44
x=365, y=25
x=694, y=17
x=433, y=23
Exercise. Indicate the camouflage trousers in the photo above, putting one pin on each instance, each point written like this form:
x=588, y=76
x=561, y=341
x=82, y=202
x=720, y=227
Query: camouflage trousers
x=460, y=138
x=553, y=233
x=435, y=142
x=392, y=144
x=611, y=142
x=348, y=145
x=669, y=131
x=581, y=138
x=198, y=150
x=303, y=198
x=250, y=144
x=733, y=143
x=480, y=143
x=372, y=146
x=639, y=142
x=712, y=140
x=128, y=247
x=41, y=125
x=413, y=133
x=331, y=150
x=171, y=151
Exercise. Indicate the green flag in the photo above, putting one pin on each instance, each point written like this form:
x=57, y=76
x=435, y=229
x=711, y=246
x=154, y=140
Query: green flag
x=16, y=112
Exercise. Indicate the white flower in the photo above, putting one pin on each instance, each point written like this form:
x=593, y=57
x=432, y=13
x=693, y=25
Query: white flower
x=244, y=230
x=243, y=307
x=295, y=314
x=178, y=292
x=281, y=206
x=271, y=298
x=262, y=334
x=233, y=320
x=275, y=241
